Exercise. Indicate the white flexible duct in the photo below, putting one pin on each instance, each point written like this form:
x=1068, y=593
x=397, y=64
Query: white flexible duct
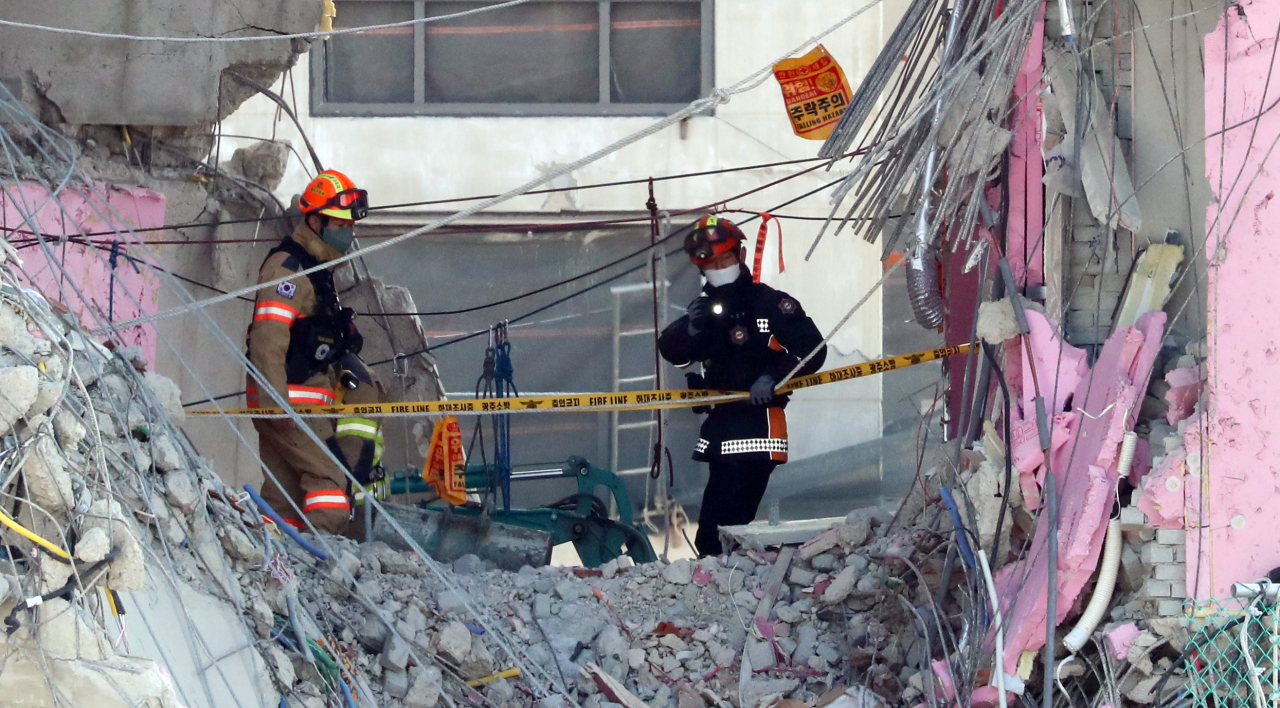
x=1110, y=566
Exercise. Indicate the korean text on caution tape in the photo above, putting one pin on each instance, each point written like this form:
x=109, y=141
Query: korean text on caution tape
x=591, y=402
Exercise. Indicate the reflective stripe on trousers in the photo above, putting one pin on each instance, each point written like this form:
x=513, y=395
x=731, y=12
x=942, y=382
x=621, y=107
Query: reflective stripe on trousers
x=362, y=428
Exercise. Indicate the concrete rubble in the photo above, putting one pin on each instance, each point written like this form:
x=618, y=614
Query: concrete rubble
x=866, y=611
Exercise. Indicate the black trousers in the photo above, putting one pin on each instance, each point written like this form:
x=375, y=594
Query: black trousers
x=732, y=497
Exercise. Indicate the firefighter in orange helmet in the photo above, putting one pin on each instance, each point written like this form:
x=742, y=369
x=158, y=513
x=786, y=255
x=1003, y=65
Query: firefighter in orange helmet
x=306, y=345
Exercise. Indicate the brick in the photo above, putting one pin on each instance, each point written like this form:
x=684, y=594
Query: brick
x=1169, y=608
x=1171, y=537
x=1178, y=589
x=1180, y=554
x=1157, y=588
x=1156, y=554
x=1171, y=571
x=1132, y=518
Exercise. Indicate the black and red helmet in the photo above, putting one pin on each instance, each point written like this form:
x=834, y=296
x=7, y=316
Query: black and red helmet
x=712, y=236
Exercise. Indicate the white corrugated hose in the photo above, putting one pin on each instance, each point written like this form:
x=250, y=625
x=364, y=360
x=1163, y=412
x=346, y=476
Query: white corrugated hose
x=1110, y=566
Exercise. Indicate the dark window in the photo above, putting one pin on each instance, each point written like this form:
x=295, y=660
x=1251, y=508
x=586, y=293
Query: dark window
x=376, y=66
x=569, y=57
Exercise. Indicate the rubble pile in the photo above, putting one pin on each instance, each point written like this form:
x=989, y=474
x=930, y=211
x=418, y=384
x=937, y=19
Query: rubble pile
x=881, y=608
x=670, y=633
x=96, y=466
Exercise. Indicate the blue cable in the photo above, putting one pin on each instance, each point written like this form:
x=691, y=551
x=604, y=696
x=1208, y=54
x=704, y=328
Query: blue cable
x=289, y=530
x=346, y=693
x=961, y=534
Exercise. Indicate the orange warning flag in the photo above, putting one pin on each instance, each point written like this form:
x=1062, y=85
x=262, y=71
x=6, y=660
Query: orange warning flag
x=815, y=91
x=446, y=466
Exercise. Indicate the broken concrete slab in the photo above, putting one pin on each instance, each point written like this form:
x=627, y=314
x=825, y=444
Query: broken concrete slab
x=763, y=536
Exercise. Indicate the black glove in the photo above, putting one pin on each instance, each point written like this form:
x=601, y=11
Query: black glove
x=762, y=390
x=698, y=312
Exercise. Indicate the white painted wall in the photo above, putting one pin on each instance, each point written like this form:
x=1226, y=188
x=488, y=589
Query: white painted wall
x=420, y=158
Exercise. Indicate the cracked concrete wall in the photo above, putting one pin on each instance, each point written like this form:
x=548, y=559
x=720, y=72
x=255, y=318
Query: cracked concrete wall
x=123, y=82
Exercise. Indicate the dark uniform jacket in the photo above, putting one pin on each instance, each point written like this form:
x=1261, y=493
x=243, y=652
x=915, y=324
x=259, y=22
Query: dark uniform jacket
x=758, y=330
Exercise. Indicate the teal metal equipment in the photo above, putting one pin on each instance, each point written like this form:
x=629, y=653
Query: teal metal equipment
x=581, y=518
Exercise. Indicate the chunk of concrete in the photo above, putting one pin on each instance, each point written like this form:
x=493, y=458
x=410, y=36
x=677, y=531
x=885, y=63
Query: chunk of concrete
x=182, y=489
x=395, y=653
x=282, y=666
x=470, y=564
x=450, y=602
x=167, y=394
x=571, y=589
x=93, y=546
x=453, y=643
x=47, y=393
x=14, y=334
x=395, y=683
x=239, y=546
x=394, y=562
x=679, y=572
x=479, y=662
x=824, y=562
x=841, y=587
x=46, y=476
x=165, y=454
x=373, y=634
x=424, y=687
x=68, y=429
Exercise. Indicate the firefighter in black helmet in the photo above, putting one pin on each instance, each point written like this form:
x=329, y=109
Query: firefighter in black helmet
x=748, y=337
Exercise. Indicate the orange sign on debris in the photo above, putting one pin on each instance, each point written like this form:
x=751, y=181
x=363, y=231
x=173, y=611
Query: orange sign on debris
x=815, y=91
x=446, y=467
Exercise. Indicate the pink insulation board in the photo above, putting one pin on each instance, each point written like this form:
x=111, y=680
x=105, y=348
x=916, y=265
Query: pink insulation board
x=85, y=268
x=1230, y=538
x=1104, y=401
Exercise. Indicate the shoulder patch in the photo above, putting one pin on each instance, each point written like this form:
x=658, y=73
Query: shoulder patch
x=286, y=289
x=788, y=306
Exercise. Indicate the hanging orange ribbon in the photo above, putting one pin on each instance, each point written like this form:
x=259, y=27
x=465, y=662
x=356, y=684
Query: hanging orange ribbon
x=761, y=236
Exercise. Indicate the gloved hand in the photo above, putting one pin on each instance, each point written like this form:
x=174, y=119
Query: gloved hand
x=699, y=313
x=762, y=390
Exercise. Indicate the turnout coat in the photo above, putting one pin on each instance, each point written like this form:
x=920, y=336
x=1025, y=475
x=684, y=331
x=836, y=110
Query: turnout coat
x=753, y=330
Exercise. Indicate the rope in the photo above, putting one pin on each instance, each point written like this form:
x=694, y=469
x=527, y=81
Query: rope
x=717, y=97
x=257, y=38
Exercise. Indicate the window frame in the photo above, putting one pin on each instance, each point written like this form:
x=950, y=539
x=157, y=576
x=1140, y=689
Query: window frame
x=322, y=107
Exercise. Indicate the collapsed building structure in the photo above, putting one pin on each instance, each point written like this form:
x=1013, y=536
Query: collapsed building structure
x=1105, y=473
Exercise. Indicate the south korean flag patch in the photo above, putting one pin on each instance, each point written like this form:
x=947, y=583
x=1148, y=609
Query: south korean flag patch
x=788, y=306
x=286, y=289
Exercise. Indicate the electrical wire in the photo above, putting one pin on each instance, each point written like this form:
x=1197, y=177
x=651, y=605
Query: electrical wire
x=716, y=97
x=24, y=532
x=259, y=38
x=520, y=227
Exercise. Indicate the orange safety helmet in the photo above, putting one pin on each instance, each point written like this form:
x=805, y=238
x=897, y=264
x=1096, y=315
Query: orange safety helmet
x=712, y=236
x=334, y=194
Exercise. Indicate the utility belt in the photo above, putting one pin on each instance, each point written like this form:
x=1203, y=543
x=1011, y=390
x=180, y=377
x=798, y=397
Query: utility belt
x=298, y=396
x=318, y=342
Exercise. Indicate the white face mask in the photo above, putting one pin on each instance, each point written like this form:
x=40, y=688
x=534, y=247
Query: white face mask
x=722, y=276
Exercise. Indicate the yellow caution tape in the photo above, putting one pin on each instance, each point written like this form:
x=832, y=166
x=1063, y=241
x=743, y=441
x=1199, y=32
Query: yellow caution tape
x=610, y=401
